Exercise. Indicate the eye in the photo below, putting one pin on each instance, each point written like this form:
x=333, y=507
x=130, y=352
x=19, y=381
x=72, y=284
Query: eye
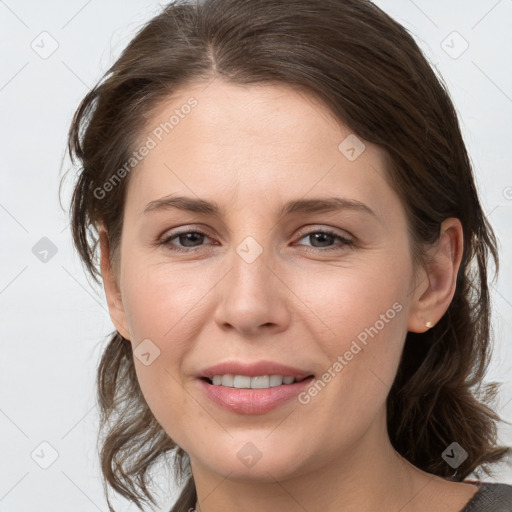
x=326, y=237
x=189, y=239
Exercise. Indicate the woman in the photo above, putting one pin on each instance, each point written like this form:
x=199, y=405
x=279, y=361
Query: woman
x=294, y=257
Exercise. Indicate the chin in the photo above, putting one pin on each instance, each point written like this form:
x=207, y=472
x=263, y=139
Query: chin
x=256, y=460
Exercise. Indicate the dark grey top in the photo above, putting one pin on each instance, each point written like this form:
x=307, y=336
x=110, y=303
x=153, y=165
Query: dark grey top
x=491, y=497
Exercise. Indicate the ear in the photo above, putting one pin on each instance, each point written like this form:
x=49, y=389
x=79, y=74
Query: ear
x=111, y=285
x=436, y=286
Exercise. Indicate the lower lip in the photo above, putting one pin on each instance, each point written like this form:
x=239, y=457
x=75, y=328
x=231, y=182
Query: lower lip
x=253, y=401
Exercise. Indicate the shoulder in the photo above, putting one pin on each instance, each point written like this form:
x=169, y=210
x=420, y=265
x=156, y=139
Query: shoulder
x=491, y=497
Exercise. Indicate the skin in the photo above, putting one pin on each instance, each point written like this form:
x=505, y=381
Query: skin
x=251, y=149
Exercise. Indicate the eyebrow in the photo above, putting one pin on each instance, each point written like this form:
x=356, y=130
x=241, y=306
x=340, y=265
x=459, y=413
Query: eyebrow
x=315, y=205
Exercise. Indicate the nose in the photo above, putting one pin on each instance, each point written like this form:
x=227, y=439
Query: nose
x=253, y=297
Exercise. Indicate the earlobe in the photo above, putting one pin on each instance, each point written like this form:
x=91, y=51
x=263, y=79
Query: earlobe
x=111, y=286
x=431, y=301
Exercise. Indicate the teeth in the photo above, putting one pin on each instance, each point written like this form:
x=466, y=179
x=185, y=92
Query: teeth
x=228, y=380
x=240, y=381
x=275, y=380
x=246, y=382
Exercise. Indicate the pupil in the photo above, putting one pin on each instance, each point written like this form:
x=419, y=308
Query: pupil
x=186, y=238
x=322, y=235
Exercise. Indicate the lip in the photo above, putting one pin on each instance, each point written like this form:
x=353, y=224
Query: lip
x=253, y=370
x=253, y=401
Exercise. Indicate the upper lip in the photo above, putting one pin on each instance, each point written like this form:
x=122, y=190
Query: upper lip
x=253, y=369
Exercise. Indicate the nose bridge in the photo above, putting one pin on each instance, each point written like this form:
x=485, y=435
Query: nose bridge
x=250, y=293
x=251, y=262
x=250, y=276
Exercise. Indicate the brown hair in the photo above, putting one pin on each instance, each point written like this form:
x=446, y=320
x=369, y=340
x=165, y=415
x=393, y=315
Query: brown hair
x=368, y=70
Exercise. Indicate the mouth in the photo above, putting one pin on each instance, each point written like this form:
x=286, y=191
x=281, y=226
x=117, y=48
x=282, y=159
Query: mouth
x=252, y=401
x=255, y=388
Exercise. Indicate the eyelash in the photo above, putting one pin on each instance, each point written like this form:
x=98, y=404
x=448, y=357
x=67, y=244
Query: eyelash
x=344, y=241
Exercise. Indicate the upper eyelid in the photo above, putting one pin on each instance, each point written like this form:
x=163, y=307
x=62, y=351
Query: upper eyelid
x=335, y=231
x=305, y=230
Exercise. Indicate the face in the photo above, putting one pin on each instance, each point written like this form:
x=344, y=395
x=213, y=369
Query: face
x=327, y=293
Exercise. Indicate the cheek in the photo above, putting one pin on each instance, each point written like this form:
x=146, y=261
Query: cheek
x=158, y=307
x=347, y=302
x=361, y=314
x=160, y=300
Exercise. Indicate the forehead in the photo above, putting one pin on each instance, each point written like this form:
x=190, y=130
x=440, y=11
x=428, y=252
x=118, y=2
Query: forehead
x=253, y=144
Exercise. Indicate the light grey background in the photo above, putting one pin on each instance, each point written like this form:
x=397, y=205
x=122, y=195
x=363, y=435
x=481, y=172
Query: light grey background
x=53, y=324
